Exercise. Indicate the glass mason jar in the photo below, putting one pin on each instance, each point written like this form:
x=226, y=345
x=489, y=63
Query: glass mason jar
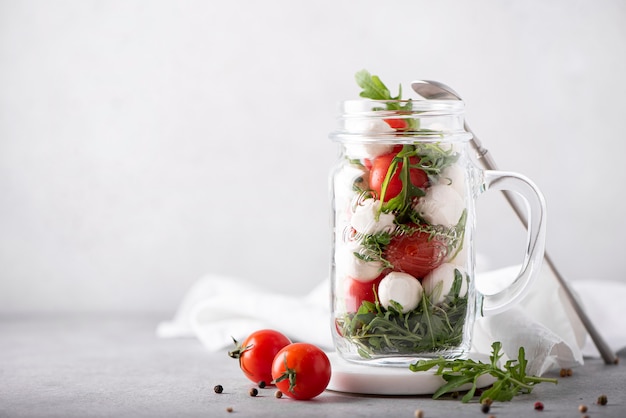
x=403, y=196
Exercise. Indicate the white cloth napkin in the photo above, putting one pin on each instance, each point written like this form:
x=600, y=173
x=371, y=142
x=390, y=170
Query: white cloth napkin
x=544, y=323
x=217, y=309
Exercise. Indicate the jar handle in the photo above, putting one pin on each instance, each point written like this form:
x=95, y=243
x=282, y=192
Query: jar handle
x=535, y=243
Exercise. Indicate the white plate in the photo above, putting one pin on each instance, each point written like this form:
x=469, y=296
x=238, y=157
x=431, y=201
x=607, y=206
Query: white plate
x=377, y=380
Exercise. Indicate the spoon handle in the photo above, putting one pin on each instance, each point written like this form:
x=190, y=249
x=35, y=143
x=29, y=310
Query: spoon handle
x=605, y=351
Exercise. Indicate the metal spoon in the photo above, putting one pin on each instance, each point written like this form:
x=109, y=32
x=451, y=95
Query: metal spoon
x=434, y=90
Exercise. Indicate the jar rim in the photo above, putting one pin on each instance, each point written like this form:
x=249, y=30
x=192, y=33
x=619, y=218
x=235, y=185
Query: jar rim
x=401, y=121
x=370, y=106
x=411, y=138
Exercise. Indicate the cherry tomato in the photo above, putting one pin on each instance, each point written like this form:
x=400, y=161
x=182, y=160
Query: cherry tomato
x=257, y=353
x=416, y=254
x=301, y=371
x=380, y=166
x=357, y=292
x=397, y=124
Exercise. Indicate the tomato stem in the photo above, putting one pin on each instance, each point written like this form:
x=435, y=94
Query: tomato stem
x=239, y=349
x=287, y=374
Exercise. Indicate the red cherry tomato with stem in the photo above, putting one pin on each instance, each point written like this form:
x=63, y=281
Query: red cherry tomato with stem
x=301, y=371
x=257, y=353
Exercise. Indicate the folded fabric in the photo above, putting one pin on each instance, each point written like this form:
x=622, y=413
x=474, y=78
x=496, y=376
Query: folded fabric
x=217, y=309
x=544, y=323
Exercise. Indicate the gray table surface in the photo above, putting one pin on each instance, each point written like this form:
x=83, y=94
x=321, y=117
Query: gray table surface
x=115, y=366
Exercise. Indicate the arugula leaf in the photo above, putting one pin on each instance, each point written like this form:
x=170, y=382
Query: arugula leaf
x=376, y=330
x=433, y=159
x=373, y=87
x=403, y=202
x=511, y=379
x=373, y=247
x=430, y=158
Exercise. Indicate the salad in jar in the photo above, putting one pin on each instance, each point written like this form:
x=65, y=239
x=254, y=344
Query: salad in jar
x=400, y=279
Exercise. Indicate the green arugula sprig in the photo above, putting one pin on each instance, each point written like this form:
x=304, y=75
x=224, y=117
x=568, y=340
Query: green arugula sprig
x=374, y=247
x=402, y=203
x=375, y=89
x=511, y=379
x=430, y=158
x=433, y=159
x=428, y=328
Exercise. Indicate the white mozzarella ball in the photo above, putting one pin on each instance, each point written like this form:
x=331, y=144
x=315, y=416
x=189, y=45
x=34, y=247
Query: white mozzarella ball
x=344, y=192
x=365, y=126
x=349, y=265
x=447, y=146
x=367, y=150
x=454, y=176
x=349, y=176
x=401, y=288
x=364, y=218
x=441, y=205
x=460, y=257
x=438, y=283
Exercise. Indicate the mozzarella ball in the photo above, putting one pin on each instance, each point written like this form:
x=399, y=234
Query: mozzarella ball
x=454, y=176
x=451, y=147
x=345, y=179
x=364, y=218
x=441, y=205
x=367, y=126
x=367, y=150
x=401, y=288
x=460, y=257
x=349, y=265
x=438, y=283
x=349, y=176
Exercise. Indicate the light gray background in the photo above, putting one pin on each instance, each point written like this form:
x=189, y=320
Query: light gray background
x=146, y=143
